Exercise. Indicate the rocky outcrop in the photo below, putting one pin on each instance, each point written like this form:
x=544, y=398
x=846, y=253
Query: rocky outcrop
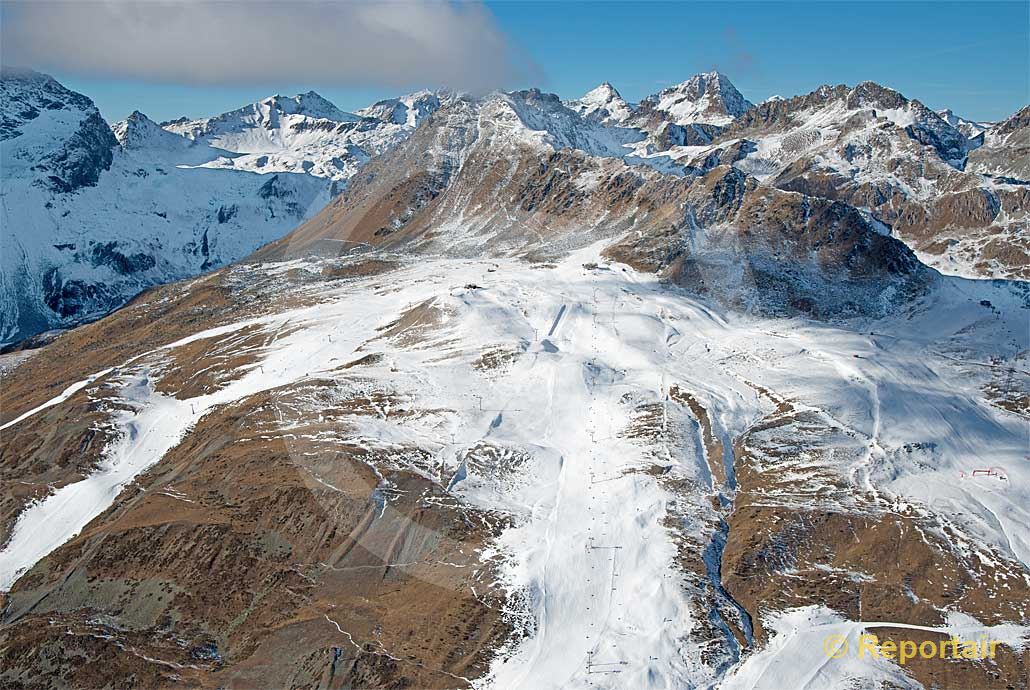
x=1006, y=149
x=873, y=148
x=84, y=141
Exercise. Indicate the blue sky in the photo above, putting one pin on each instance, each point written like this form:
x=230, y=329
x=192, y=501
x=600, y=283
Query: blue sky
x=971, y=56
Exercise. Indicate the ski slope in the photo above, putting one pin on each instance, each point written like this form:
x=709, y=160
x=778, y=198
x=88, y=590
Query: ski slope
x=589, y=561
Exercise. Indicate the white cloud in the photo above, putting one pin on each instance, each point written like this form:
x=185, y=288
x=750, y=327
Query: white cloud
x=395, y=43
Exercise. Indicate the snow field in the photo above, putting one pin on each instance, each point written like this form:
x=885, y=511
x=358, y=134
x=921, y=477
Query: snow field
x=591, y=550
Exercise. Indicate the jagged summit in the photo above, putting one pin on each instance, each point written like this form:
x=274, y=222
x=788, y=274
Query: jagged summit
x=1005, y=152
x=603, y=103
x=968, y=127
x=310, y=104
x=407, y=110
x=303, y=134
x=841, y=104
x=603, y=93
x=25, y=94
x=269, y=113
x=92, y=214
x=57, y=137
x=709, y=97
x=138, y=131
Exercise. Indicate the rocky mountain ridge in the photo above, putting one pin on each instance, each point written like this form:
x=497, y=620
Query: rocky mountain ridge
x=513, y=162
x=895, y=160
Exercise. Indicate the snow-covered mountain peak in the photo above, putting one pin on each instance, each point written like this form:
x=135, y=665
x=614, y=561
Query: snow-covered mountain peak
x=55, y=137
x=709, y=97
x=407, y=110
x=26, y=95
x=539, y=118
x=92, y=216
x=272, y=113
x=604, y=103
x=968, y=127
x=309, y=104
x=138, y=131
x=832, y=110
x=300, y=134
x=703, y=82
x=1006, y=148
x=869, y=94
x=603, y=93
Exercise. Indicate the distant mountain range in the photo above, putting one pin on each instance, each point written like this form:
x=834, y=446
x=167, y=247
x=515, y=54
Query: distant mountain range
x=94, y=213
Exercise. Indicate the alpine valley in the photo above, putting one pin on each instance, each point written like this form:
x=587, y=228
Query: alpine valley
x=511, y=392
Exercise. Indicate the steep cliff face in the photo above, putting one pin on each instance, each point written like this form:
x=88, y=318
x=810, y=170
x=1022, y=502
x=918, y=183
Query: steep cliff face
x=63, y=142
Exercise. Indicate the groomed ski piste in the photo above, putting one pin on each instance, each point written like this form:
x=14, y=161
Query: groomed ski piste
x=590, y=558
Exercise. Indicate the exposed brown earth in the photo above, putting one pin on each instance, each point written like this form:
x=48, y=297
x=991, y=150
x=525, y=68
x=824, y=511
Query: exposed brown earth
x=163, y=315
x=152, y=319
x=285, y=552
x=714, y=451
x=270, y=532
x=203, y=366
x=840, y=548
x=53, y=448
x=695, y=518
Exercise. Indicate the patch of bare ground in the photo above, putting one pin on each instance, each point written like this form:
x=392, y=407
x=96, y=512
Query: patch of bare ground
x=365, y=361
x=412, y=327
x=56, y=446
x=154, y=318
x=1009, y=389
x=1008, y=670
x=497, y=358
x=205, y=365
x=800, y=536
x=361, y=268
x=268, y=549
x=714, y=450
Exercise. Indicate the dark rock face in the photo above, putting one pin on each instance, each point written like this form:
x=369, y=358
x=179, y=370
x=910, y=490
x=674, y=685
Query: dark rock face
x=78, y=299
x=82, y=158
x=226, y=213
x=107, y=254
x=75, y=298
x=695, y=134
x=25, y=95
